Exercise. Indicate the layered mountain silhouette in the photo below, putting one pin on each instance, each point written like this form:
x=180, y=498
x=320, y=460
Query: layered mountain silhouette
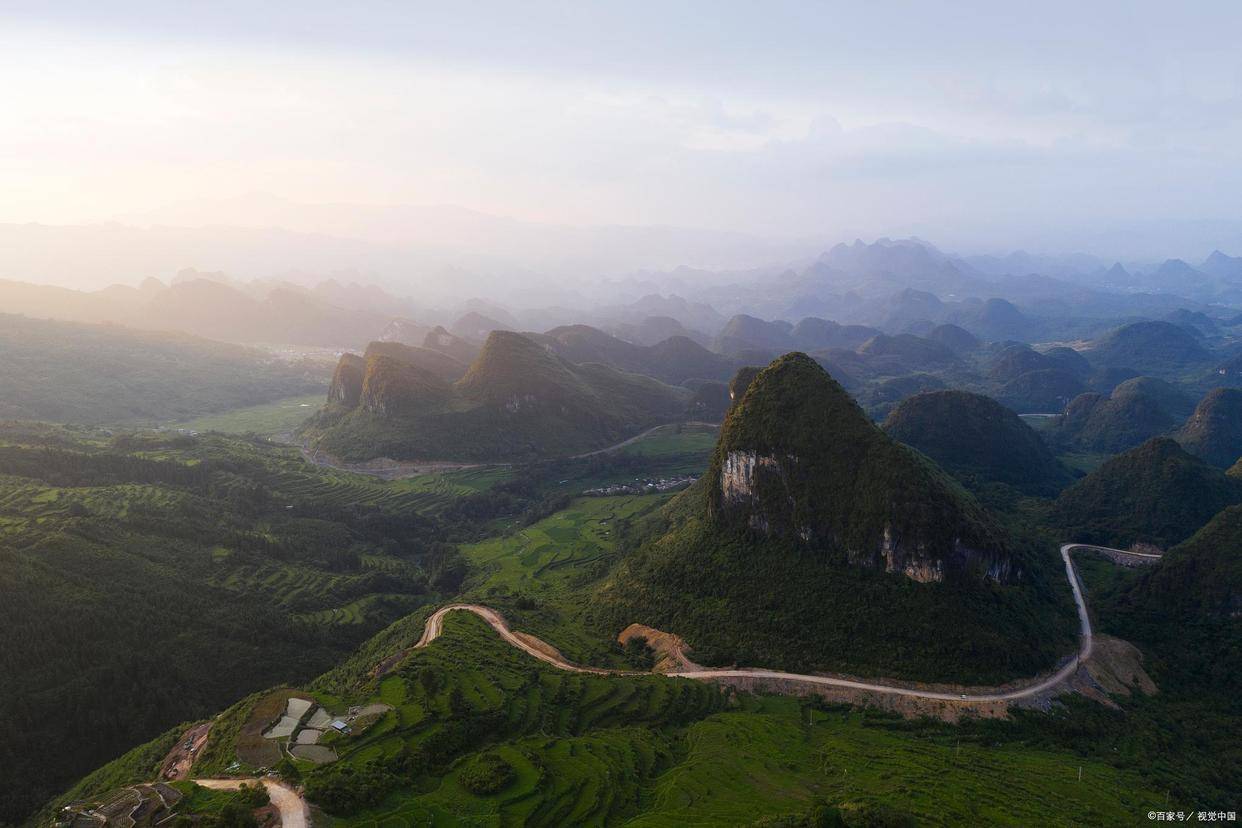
x=674, y=360
x=209, y=305
x=517, y=400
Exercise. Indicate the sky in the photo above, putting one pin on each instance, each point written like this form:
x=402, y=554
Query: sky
x=980, y=125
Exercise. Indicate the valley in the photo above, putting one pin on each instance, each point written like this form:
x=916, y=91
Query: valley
x=603, y=415
x=792, y=572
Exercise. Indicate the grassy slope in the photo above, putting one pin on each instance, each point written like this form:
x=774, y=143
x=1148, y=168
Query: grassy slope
x=536, y=577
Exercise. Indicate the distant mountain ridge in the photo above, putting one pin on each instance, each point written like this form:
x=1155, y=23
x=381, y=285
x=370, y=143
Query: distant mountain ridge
x=517, y=400
x=93, y=374
x=274, y=313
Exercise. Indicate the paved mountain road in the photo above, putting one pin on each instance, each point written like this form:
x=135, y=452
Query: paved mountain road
x=435, y=626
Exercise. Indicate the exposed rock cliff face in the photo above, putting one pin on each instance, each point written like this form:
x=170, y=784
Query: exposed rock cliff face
x=799, y=460
x=346, y=387
x=391, y=377
x=740, y=486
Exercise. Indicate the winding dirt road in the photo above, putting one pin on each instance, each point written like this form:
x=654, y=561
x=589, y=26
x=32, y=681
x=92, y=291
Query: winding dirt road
x=435, y=626
x=294, y=812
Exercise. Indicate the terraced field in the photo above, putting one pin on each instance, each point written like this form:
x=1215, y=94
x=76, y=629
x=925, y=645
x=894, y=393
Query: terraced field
x=592, y=750
x=363, y=611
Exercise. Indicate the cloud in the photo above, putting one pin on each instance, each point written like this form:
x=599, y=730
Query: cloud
x=792, y=119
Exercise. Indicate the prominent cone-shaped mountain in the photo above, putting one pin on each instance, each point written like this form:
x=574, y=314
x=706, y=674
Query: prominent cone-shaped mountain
x=1135, y=411
x=1187, y=611
x=816, y=541
x=1201, y=576
x=1154, y=494
x=518, y=399
x=1214, y=430
x=1158, y=348
x=977, y=439
x=798, y=458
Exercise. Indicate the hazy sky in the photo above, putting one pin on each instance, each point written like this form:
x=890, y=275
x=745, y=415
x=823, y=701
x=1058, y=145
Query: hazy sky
x=974, y=124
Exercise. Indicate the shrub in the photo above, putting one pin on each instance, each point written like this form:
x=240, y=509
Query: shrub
x=486, y=774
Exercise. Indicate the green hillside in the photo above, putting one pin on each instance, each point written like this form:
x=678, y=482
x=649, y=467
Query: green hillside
x=1044, y=391
x=481, y=734
x=1135, y=411
x=104, y=374
x=817, y=542
x=517, y=401
x=1157, y=348
x=1189, y=610
x=978, y=440
x=1186, y=614
x=1214, y=430
x=1153, y=494
x=149, y=580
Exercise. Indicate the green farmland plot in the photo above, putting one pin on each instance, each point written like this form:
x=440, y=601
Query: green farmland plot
x=268, y=419
x=676, y=441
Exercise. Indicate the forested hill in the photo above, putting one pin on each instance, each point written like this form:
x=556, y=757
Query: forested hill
x=517, y=401
x=95, y=374
x=1155, y=494
x=977, y=439
x=816, y=542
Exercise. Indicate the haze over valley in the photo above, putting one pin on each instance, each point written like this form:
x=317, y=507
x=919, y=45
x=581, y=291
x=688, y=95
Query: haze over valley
x=620, y=415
